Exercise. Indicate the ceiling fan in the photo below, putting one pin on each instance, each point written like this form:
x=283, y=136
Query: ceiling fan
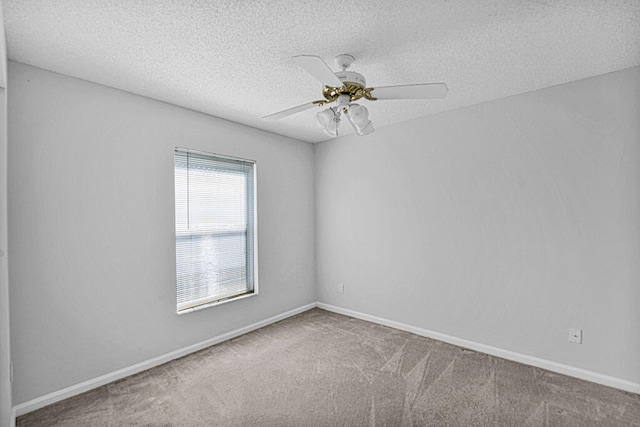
x=343, y=88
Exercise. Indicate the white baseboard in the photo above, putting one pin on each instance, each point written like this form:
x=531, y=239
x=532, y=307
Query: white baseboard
x=494, y=351
x=65, y=393
x=56, y=396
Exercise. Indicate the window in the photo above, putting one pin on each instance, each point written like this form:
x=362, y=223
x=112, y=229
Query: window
x=215, y=229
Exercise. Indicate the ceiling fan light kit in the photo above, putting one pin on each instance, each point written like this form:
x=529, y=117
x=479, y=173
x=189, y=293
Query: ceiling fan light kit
x=329, y=121
x=343, y=87
x=359, y=118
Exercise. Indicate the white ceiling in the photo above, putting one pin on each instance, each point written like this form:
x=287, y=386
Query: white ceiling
x=231, y=58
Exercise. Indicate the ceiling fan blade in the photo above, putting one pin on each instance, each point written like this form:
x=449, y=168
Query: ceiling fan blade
x=315, y=66
x=288, y=112
x=419, y=91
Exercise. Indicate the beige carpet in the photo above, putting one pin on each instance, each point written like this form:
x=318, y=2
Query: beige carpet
x=323, y=369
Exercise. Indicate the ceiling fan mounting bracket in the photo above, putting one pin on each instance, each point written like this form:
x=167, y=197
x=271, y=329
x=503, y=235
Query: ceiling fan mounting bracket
x=344, y=61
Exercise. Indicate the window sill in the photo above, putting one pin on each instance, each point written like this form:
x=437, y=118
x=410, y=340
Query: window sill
x=215, y=303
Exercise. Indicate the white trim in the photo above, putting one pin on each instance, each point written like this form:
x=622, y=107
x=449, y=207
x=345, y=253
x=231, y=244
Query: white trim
x=494, y=351
x=214, y=303
x=208, y=153
x=572, y=371
x=73, y=390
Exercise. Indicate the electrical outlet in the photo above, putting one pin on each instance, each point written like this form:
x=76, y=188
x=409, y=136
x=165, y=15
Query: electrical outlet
x=341, y=288
x=575, y=336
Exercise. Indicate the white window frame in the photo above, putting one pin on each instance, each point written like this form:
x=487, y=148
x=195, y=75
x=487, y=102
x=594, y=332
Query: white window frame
x=206, y=302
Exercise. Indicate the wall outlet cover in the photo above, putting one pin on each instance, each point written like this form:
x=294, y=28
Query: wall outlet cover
x=575, y=336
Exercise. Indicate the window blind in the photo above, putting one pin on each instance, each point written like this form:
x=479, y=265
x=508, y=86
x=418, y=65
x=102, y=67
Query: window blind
x=215, y=216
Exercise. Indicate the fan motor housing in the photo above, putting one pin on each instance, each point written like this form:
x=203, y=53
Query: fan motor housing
x=352, y=77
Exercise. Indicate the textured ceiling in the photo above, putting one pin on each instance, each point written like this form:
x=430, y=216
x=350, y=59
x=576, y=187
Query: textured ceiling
x=231, y=58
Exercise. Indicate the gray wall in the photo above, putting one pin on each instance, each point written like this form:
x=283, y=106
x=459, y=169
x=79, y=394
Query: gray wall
x=5, y=348
x=91, y=211
x=504, y=223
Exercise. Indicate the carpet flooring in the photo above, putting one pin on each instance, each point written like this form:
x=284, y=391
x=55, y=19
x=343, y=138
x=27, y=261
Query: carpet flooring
x=323, y=369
